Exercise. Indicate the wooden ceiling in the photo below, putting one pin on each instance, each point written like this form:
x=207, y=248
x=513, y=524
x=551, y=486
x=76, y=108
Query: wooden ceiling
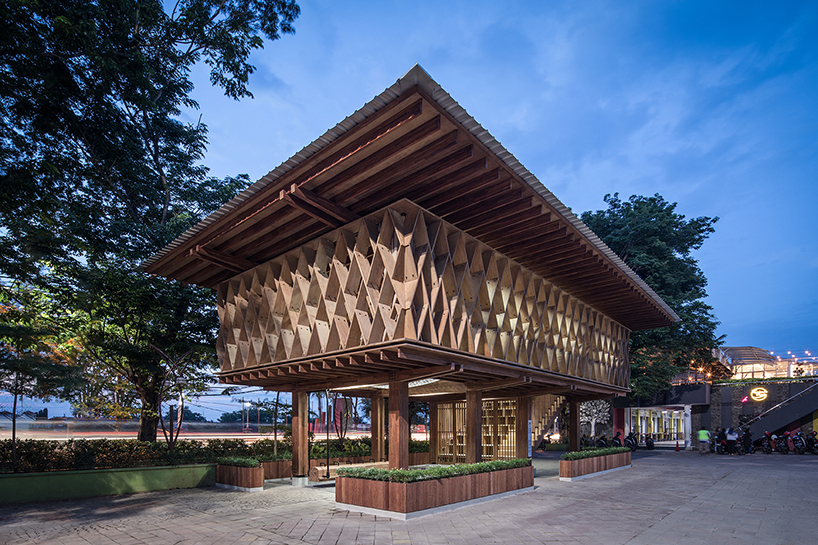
x=413, y=148
x=361, y=371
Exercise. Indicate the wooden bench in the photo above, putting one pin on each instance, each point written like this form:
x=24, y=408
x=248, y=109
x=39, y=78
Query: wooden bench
x=319, y=473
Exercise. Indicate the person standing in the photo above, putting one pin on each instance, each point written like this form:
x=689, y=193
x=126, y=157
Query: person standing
x=748, y=441
x=704, y=442
x=731, y=441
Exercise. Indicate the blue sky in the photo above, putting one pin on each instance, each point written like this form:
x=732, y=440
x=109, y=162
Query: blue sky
x=712, y=105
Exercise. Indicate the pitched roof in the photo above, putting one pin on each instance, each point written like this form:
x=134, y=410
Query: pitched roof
x=413, y=141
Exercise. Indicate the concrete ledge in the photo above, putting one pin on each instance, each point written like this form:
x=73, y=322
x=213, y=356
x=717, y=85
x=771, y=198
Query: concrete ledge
x=301, y=481
x=239, y=488
x=594, y=474
x=69, y=485
x=432, y=511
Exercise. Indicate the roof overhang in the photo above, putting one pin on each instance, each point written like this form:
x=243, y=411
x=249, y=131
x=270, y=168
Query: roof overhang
x=413, y=141
x=360, y=372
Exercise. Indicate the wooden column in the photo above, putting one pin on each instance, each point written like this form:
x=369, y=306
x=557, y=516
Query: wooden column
x=523, y=415
x=495, y=429
x=434, y=433
x=573, y=425
x=398, y=425
x=301, y=437
x=377, y=418
x=474, y=424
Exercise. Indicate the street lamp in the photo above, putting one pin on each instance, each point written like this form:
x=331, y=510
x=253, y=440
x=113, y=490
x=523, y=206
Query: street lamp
x=327, y=434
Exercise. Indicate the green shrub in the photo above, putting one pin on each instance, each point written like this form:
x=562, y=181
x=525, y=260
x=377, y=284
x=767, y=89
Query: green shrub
x=238, y=461
x=432, y=473
x=281, y=456
x=594, y=452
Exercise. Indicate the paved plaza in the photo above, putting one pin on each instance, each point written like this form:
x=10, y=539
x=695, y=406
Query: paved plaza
x=667, y=497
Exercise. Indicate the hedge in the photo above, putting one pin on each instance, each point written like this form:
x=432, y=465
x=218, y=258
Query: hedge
x=238, y=461
x=432, y=473
x=593, y=453
x=42, y=455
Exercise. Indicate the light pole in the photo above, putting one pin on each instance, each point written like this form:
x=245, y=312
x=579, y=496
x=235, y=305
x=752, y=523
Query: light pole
x=327, y=434
x=180, y=383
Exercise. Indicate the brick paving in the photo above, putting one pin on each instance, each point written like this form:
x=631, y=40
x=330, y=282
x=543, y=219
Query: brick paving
x=667, y=497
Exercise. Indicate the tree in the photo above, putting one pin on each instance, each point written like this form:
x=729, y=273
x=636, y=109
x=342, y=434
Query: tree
x=594, y=412
x=656, y=242
x=34, y=360
x=98, y=172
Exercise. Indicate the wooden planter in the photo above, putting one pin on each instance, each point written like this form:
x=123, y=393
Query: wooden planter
x=413, y=497
x=247, y=479
x=574, y=469
x=280, y=469
x=283, y=469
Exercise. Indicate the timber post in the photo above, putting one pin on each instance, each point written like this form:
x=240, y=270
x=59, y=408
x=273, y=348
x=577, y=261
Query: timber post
x=301, y=437
x=522, y=434
x=377, y=427
x=474, y=422
x=433, y=432
x=398, y=425
x=573, y=425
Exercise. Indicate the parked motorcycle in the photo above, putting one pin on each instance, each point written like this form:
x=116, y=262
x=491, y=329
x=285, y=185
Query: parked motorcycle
x=812, y=443
x=649, y=442
x=616, y=441
x=632, y=442
x=799, y=444
x=721, y=446
x=602, y=442
x=782, y=443
x=740, y=445
x=767, y=442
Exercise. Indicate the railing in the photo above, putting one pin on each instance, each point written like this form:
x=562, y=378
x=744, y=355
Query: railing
x=768, y=411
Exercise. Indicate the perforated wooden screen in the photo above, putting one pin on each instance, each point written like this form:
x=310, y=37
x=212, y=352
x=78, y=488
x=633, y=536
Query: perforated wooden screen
x=403, y=273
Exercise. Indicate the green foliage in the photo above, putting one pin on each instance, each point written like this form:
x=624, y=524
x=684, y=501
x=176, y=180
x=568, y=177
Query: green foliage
x=431, y=473
x=40, y=455
x=98, y=172
x=657, y=243
x=236, y=461
x=339, y=448
x=418, y=446
x=281, y=456
x=593, y=453
x=36, y=358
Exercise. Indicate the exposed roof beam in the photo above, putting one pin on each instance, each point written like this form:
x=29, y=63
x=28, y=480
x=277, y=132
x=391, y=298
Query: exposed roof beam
x=226, y=261
x=318, y=207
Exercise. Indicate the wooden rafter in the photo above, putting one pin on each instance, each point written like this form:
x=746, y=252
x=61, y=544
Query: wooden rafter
x=230, y=262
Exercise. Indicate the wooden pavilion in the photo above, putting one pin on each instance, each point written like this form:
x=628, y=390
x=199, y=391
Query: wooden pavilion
x=405, y=254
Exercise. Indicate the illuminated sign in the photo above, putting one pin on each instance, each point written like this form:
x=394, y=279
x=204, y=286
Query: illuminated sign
x=758, y=394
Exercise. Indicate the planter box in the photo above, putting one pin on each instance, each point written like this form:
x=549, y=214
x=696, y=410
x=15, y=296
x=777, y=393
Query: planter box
x=574, y=469
x=280, y=469
x=403, y=498
x=418, y=458
x=70, y=485
x=247, y=479
x=283, y=469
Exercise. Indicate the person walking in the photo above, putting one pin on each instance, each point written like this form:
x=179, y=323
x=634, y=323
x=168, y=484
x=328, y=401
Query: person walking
x=704, y=442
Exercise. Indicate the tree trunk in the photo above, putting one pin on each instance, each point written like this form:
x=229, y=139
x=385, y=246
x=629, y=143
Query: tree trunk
x=149, y=413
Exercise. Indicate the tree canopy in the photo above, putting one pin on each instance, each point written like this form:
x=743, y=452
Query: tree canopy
x=99, y=170
x=657, y=243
